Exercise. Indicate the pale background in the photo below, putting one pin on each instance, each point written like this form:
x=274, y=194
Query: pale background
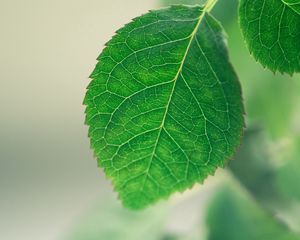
x=48, y=177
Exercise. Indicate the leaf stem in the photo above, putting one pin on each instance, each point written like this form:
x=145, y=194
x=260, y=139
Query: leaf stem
x=209, y=5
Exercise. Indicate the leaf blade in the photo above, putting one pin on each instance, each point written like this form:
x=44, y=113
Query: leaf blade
x=157, y=105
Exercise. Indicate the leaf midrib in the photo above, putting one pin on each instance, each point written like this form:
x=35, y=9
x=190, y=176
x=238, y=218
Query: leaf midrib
x=193, y=35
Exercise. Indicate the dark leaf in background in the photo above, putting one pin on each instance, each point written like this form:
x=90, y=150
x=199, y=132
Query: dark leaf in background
x=288, y=176
x=234, y=215
x=253, y=167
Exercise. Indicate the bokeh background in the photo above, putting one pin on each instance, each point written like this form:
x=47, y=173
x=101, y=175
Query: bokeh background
x=50, y=186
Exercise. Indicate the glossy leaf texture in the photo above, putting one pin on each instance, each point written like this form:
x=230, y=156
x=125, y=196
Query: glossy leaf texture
x=271, y=29
x=164, y=106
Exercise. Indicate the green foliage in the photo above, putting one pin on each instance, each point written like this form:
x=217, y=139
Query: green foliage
x=164, y=106
x=271, y=31
x=252, y=165
x=293, y=4
x=288, y=177
x=109, y=221
x=234, y=215
x=218, y=11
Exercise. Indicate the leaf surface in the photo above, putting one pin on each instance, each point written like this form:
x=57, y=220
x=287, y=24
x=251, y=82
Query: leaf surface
x=164, y=106
x=271, y=29
x=293, y=4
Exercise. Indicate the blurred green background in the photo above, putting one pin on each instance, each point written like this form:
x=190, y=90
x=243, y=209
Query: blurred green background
x=50, y=186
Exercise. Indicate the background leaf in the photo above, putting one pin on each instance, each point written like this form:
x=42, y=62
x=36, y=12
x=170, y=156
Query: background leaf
x=111, y=221
x=234, y=215
x=253, y=166
x=271, y=30
x=288, y=173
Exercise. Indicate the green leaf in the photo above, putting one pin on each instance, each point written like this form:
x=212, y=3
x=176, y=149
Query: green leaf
x=225, y=17
x=108, y=221
x=293, y=4
x=274, y=189
x=288, y=177
x=272, y=33
x=234, y=215
x=253, y=166
x=257, y=83
x=164, y=107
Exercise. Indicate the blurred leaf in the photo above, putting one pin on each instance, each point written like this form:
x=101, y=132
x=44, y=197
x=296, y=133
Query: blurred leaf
x=273, y=188
x=112, y=222
x=229, y=15
x=164, y=106
x=271, y=31
x=253, y=167
x=288, y=176
x=234, y=215
x=170, y=237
